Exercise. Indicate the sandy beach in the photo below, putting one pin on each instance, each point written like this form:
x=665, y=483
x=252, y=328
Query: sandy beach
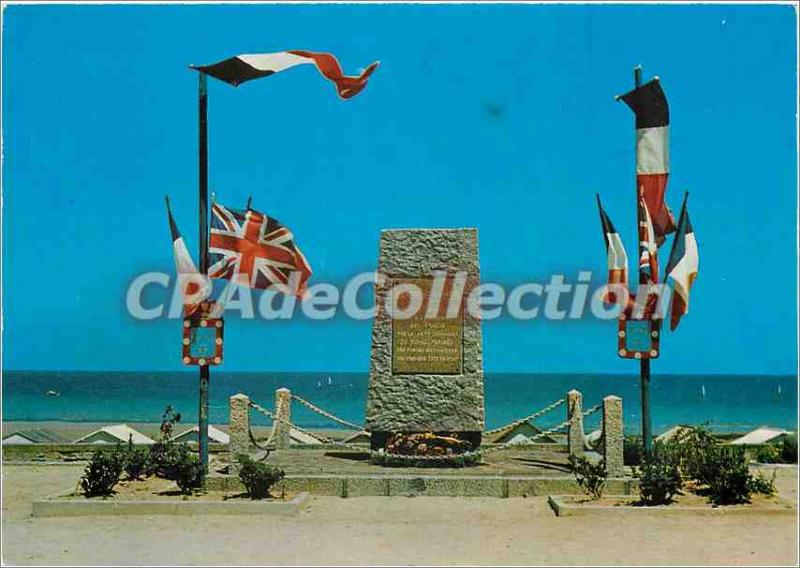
x=386, y=530
x=74, y=430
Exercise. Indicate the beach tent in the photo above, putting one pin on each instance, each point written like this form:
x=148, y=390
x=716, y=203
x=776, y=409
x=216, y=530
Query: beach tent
x=298, y=437
x=358, y=438
x=761, y=435
x=118, y=433
x=34, y=436
x=519, y=434
x=215, y=436
x=672, y=432
x=295, y=437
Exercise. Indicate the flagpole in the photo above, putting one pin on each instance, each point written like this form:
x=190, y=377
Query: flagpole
x=205, y=374
x=644, y=362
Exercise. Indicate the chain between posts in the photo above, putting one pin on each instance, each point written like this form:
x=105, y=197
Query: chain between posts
x=324, y=439
x=328, y=415
x=538, y=414
x=547, y=432
x=275, y=417
x=270, y=439
x=272, y=433
x=534, y=416
x=265, y=448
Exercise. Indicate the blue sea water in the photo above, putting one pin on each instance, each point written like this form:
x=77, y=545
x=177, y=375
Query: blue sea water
x=730, y=402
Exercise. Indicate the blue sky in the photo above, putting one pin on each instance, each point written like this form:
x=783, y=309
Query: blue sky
x=497, y=117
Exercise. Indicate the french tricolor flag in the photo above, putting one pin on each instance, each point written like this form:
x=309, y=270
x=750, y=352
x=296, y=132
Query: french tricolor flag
x=682, y=267
x=236, y=70
x=194, y=287
x=649, y=104
x=617, y=258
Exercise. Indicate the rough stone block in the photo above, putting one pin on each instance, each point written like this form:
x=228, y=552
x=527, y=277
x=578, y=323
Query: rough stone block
x=283, y=411
x=613, y=436
x=575, y=439
x=450, y=397
x=239, y=427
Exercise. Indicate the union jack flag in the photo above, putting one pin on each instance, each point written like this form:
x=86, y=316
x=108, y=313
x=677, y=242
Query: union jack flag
x=644, y=308
x=648, y=247
x=255, y=250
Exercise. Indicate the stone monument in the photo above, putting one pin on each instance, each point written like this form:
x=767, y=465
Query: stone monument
x=426, y=368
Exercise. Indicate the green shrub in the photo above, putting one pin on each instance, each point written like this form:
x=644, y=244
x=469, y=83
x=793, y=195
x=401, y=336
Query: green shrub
x=101, y=474
x=175, y=462
x=182, y=466
x=659, y=475
x=134, y=461
x=789, y=449
x=632, y=450
x=257, y=478
x=692, y=448
x=762, y=485
x=727, y=476
x=189, y=475
x=722, y=469
x=768, y=454
x=591, y=477
x=163, y=454
x=157, y=459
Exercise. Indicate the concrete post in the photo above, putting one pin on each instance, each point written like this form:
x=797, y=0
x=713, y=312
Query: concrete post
x=239, y=427
x=613, y=436
x=575, y=438
x=283, y=409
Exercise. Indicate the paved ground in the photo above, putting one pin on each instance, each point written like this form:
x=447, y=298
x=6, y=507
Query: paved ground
x=381, y=530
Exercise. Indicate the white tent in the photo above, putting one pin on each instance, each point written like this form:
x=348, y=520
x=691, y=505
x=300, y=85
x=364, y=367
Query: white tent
x=522, y=433
x=118, y=433
x=17, y=439
x=672, y=432
x=761, y=435
x=362, y=437
x=299, y=437
x=34, y=436
x=215, y=436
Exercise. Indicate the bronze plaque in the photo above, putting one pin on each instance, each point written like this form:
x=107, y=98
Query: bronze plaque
x=427, y=345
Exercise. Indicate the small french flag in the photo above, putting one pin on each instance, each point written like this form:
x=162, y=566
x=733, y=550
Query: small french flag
x=682, y=267
x=194, y=287
x=617, y=258
x=236, y=70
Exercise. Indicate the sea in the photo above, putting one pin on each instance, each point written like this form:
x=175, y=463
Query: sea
x=726, y=403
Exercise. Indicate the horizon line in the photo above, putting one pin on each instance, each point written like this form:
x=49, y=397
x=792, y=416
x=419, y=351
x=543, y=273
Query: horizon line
x=592, y=373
